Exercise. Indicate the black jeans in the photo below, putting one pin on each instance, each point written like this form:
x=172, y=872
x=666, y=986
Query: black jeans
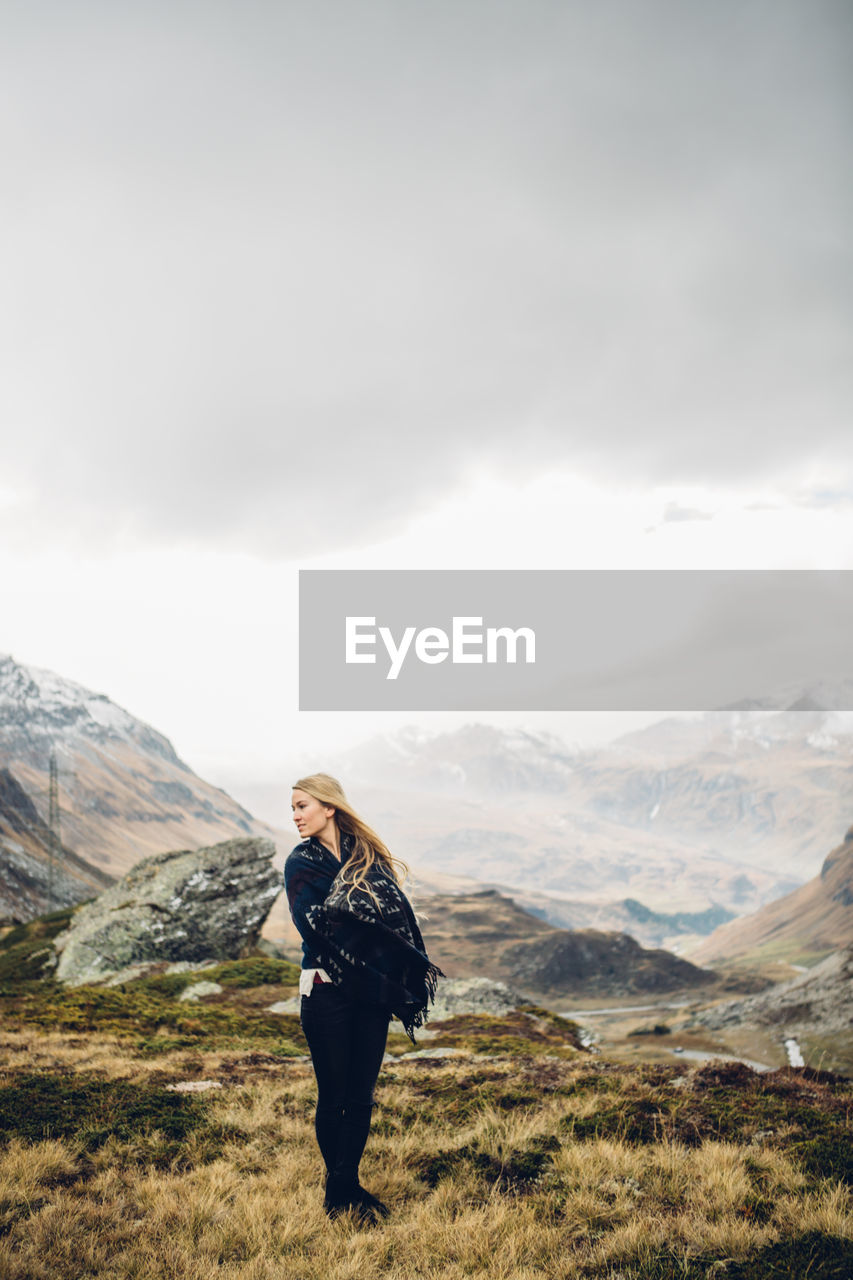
x=347, y=1042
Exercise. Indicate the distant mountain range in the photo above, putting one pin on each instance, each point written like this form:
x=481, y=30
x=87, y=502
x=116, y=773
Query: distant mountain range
x=721, y=813
x=662, y=835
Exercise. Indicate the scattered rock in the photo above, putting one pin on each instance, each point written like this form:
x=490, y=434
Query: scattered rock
x=199, y=989
x=133, y=971
x=271, y=949
x=190, y=966
x=194, y=1086
x=187, y=905
x=128, y=974
x=293, y=1005
x=455, y=996
x=426, y=1053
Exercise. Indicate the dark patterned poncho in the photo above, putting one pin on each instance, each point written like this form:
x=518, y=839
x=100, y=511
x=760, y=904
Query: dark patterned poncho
x=372, y=949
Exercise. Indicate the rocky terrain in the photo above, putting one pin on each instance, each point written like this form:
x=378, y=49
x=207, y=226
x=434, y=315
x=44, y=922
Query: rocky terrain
x=124, y=792
x=819, y=1000
x=661, y=837
x=663, y=834
x=814, y=919
x=196, y=906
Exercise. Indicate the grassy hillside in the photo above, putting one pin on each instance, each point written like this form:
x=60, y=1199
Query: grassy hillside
x=520, y=1156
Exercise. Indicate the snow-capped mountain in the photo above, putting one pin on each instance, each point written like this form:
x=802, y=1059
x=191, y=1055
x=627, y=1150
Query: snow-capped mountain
x=478, y=758
x=724, y=810
x=818, y=695
x=40, y=710
x=124, y=792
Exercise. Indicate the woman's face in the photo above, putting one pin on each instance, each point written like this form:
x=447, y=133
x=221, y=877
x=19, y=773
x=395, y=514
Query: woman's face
x=311, y=817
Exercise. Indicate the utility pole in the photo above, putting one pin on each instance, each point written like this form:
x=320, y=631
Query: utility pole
x=54, y=843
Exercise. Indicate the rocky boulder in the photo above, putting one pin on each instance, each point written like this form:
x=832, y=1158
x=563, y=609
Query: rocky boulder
x=472, y=995
x=819, y=1000
x=187, y=905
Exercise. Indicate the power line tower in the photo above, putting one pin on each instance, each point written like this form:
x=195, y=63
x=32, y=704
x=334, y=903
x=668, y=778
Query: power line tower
x=54, y=842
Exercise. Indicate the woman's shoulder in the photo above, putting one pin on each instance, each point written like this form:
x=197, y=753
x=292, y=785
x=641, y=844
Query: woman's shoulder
x=299, y=853
x=308, y=854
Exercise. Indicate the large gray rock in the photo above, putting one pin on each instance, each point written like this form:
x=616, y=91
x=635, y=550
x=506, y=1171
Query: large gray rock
x=819, y=1000
x=188, y=905
x=472, y=995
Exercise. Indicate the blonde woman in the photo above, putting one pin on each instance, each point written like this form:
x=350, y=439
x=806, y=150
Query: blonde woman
x=363, y=959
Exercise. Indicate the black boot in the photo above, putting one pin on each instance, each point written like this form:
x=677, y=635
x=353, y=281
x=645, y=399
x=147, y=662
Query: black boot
x=369, y=1205
x=344, y=1191
x=341, y=1193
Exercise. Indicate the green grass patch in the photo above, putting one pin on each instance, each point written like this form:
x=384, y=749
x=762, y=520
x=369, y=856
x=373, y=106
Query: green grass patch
x=145, y=1010
x=813, y=1255
x=519, y=1033
x=25, y=953
x=142, y=1015
x=639, y=1121
x=806, y=1114
x=89, y=1110
x=829, y=1155
x=513, y=1169
x=254, y=971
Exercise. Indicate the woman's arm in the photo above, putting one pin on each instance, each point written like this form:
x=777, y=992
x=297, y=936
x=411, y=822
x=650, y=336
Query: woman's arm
x=307, y=885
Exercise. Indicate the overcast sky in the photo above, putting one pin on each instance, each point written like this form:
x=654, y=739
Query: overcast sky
x=544, y=284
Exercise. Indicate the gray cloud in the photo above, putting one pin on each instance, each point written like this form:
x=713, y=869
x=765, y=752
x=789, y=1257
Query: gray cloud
x=278, y=275
x=674, y=512
x=820, y=499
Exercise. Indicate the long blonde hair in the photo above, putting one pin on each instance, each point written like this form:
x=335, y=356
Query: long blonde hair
x=367, y=848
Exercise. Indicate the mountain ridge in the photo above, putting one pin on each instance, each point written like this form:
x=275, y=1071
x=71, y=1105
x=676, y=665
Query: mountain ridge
x=816, y=918
x=124, y=791
x=488, y=933
x=728, y=810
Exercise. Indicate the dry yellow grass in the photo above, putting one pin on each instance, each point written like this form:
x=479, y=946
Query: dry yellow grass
x=250, y=1205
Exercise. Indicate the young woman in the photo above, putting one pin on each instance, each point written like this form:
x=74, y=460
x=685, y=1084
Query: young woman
x=363, y=959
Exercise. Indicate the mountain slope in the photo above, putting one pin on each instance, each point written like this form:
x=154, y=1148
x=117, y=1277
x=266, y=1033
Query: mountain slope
x=818, y=917
x=821, y=999
x=124, y=792
x=25, y=890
